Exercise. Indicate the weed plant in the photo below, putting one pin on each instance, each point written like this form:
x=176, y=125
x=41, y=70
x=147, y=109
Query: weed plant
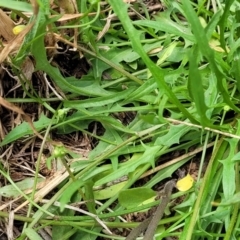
x=156, y=85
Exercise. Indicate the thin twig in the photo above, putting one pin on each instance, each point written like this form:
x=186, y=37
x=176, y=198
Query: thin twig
x=151, y=223
x=157, y=216
x=201, y=127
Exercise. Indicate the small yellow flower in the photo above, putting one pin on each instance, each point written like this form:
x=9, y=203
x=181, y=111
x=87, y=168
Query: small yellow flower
x=185, y=183
x=16, y=30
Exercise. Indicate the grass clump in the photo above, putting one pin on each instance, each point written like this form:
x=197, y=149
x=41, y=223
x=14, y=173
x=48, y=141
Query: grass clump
x=105, y=102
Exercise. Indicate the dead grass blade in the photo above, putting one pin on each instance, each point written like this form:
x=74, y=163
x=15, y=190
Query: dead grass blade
x=18, y=110
x=47, y=186
x=15, y=43
x=6, y=26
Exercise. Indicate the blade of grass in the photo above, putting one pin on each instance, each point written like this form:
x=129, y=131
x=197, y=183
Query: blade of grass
x=16, y=5
x=235, y=212
x=32, y=235
x=207, y=52
x=202, y=194
x=120, y=8
x=23, y=194
x=223, y=22
x=167, y=25
x=37, y=216
x=197, y=92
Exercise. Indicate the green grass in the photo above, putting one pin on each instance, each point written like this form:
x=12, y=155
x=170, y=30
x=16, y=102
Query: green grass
x=177, y=72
